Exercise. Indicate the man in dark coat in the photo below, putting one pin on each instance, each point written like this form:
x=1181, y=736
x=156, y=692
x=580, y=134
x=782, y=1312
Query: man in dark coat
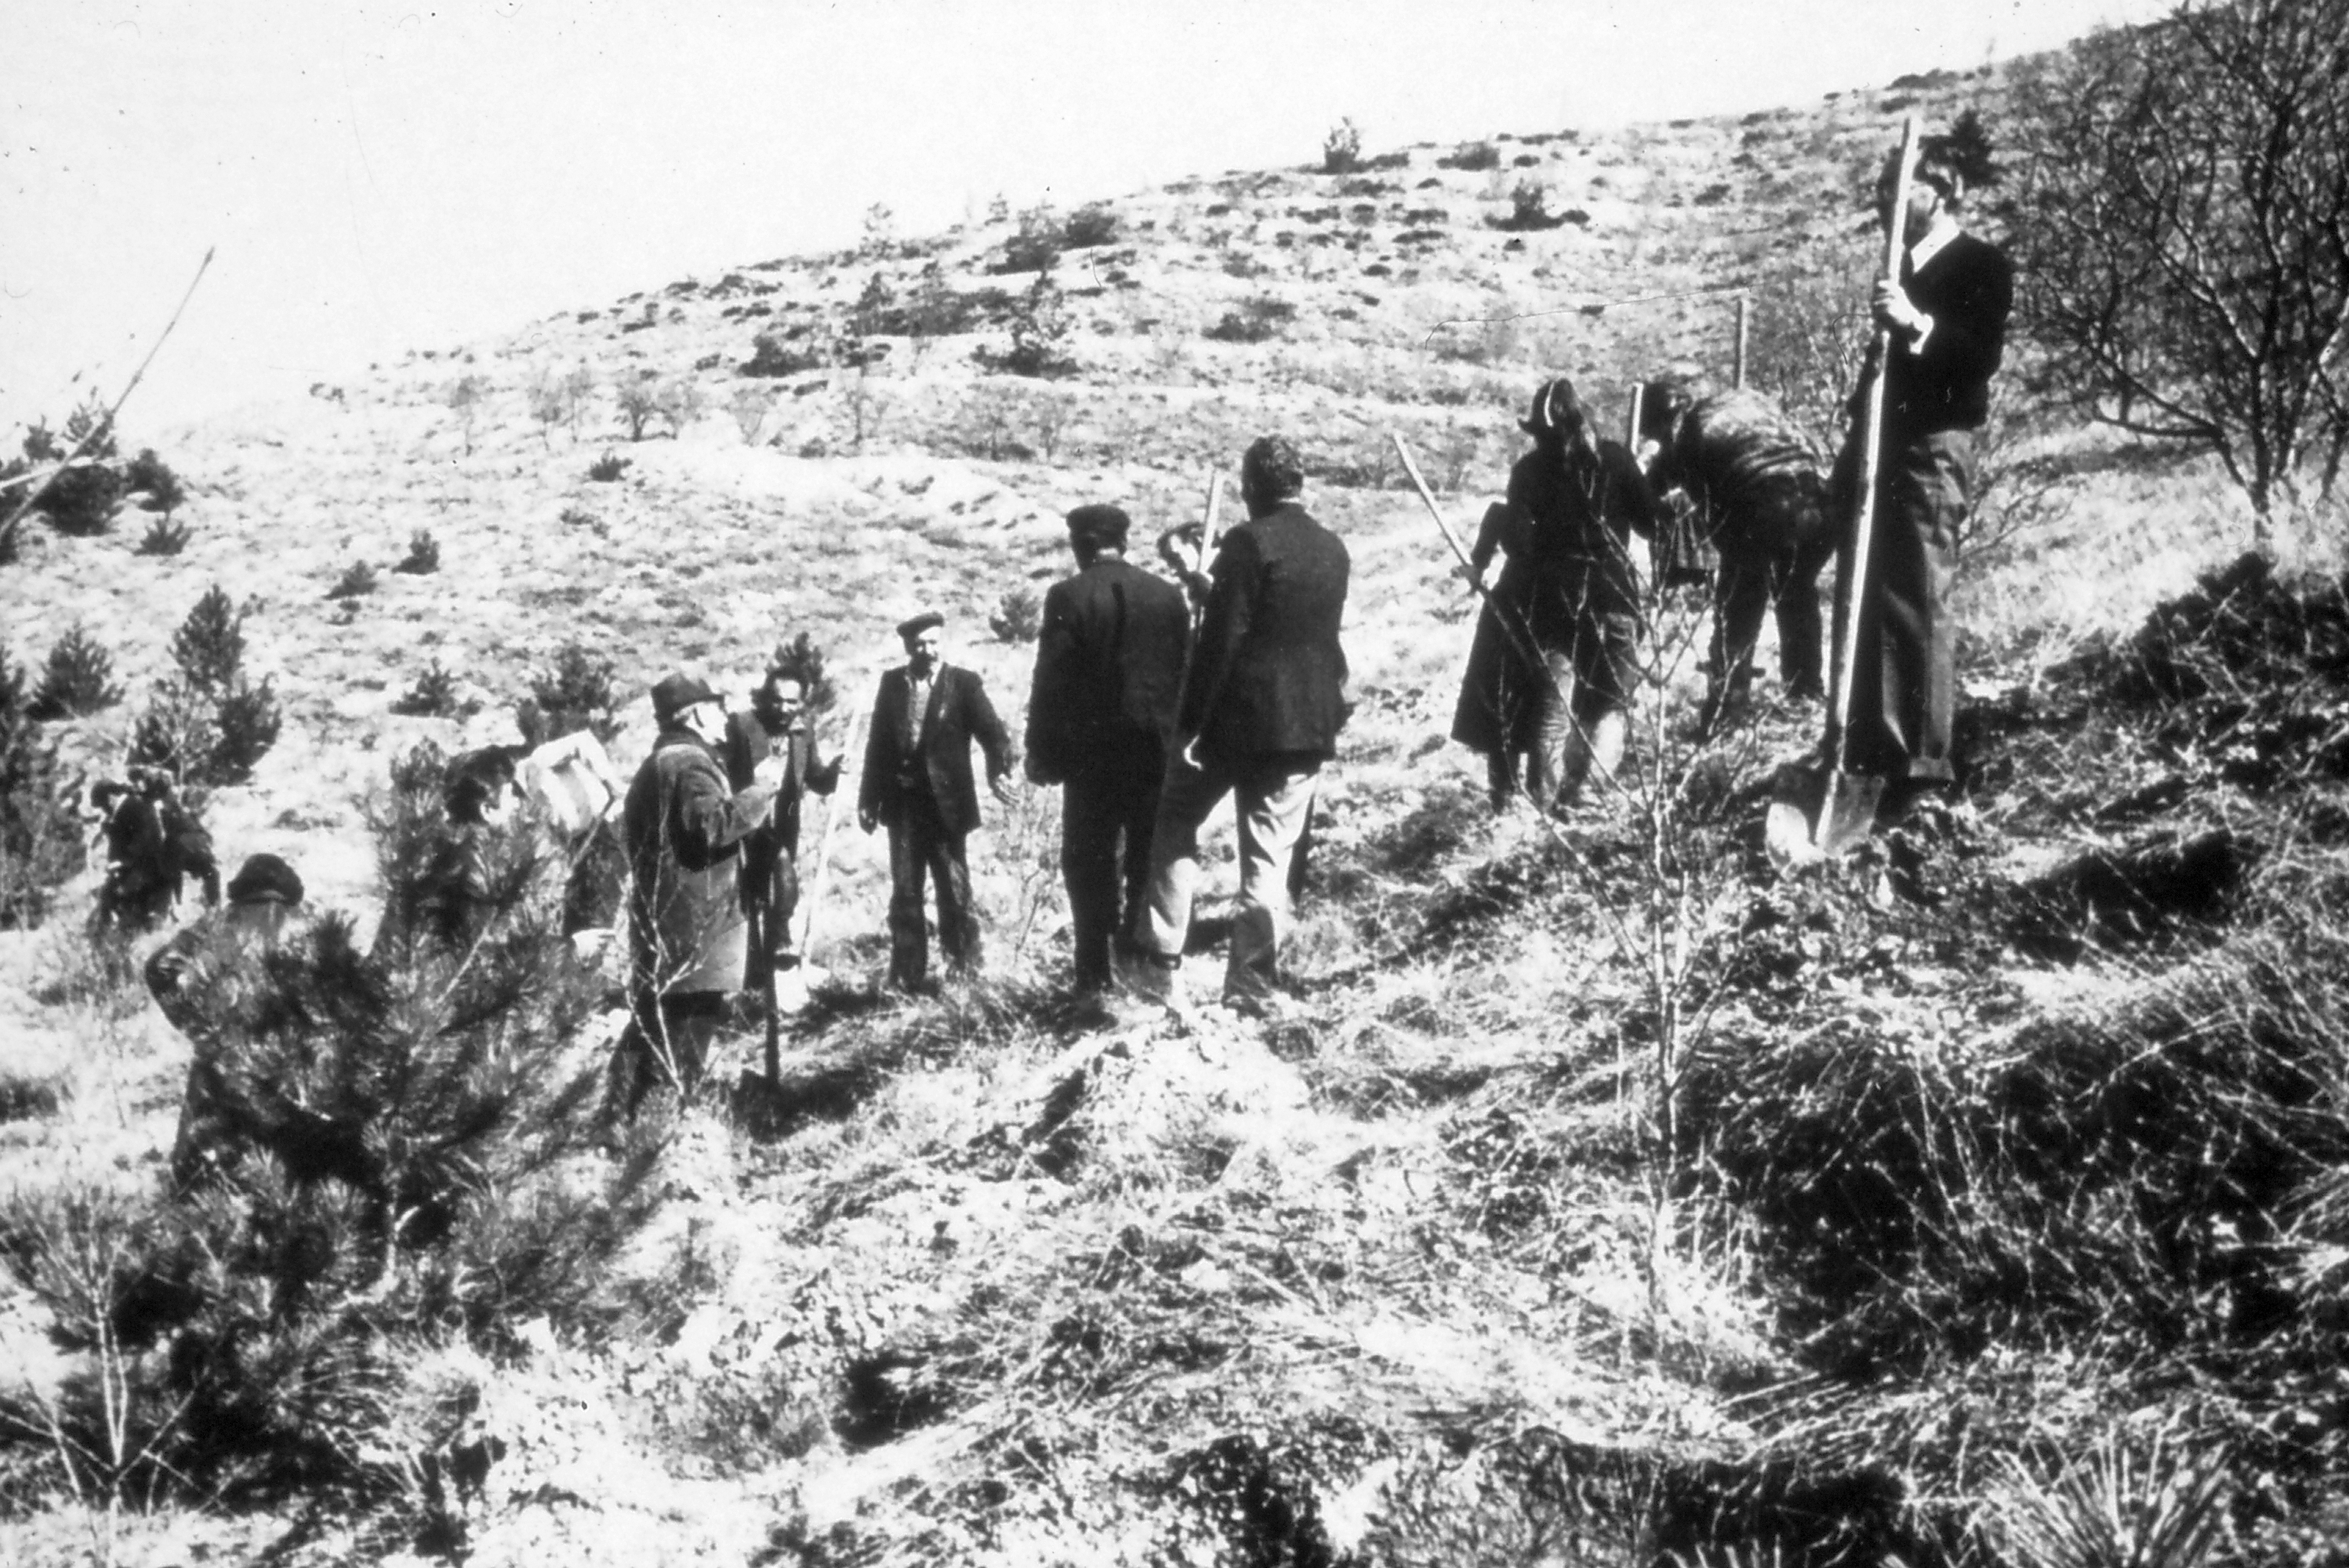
x=205, y=975
x=1947, y=317
x=1109, y=671
x=1262, y=704
x=1551, y=669
x=1758, y=485
x=918, y=781
x=154, y=844
x=776, y=726
x=683, y=826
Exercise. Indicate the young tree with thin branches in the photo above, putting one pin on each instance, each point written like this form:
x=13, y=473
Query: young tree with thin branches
x=2179, y=219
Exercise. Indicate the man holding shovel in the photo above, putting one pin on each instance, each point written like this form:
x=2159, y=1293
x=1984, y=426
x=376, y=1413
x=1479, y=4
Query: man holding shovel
x=1941, y=323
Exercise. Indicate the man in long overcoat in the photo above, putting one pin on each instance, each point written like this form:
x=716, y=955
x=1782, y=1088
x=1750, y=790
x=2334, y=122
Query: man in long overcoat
x=918, y=781
x=683, y=825
x=1550, y=672
x=1109, y=672
x=775, y=726
x=1262, y=704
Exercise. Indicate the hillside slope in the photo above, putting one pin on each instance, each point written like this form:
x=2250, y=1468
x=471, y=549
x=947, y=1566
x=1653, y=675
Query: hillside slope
x=1579, y=1207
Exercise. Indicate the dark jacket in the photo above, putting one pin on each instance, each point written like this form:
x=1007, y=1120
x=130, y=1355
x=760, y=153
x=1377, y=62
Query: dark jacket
x=1267, y=677
x=1569, y=520
x=749, y=742
x=939, y=765
x=1967, y=288
x=682, y=827
x=1757, y=479
x=1109, y=669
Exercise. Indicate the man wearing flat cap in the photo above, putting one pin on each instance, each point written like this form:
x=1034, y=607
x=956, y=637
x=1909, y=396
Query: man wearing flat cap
x=200, y=978
x=918, y=781
x=1261, y=706
x=682, y=826
x=1109, y=670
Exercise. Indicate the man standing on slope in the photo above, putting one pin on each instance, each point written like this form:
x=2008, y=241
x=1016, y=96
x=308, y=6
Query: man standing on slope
x=918, y=780
x=1260, y=711
x=1947, y=317
x=683, y=825
x=1109, y=671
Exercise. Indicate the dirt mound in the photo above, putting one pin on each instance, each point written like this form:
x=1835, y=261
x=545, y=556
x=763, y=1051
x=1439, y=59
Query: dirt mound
x=2248, y=673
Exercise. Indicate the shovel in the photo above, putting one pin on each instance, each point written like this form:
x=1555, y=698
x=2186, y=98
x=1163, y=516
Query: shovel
x=762, y=1100
x=1821, y=810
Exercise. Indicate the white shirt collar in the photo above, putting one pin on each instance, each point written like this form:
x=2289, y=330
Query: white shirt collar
x=1944, y=230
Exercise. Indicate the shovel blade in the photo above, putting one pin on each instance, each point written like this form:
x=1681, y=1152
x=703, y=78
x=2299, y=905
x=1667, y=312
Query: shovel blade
x=1817, y=813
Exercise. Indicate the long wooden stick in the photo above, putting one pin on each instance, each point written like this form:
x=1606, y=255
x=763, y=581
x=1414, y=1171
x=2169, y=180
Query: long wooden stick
x=1871, y=453
x=834, y=811
x=102, y=427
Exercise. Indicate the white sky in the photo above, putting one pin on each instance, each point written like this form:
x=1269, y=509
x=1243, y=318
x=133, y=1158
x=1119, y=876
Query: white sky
x=385, y=177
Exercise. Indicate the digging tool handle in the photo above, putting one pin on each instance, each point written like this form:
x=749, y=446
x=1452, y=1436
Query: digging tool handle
x=833, y=812
x=1871, y=455
x=1521, y=641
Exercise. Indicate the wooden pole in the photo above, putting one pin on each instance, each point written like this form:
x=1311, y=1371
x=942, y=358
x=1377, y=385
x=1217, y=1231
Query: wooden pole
x=1737, y=364
x=105, y=425
x=1871, y=456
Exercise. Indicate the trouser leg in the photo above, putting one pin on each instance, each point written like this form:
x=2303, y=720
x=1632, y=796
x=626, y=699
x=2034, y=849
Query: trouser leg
x=1138, y=819
x=1557, y=750
x=1740, y=592
x=1273, y=808
x=959, y=936
x=1088, y=871
x=909, y=943
x=1185, y=800
x=1801, y=650
x=1922, y=501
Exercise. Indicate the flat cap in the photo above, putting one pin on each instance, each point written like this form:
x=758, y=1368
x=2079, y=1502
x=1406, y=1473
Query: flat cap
x=678, y=692
x=264, y=879
x=909, y=629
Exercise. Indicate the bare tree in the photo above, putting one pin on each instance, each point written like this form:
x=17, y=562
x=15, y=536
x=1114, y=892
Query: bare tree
x=2180, y=215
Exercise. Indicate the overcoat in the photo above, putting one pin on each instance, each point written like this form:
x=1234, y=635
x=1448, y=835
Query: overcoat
x=1109, y=669
x=683, y=827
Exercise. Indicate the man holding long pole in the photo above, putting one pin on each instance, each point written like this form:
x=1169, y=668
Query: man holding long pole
x=1943, y=323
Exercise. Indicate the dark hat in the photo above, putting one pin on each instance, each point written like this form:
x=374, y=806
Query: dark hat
x=264, y=879
x=1091, y=527
x=1555, y=410
x=909, y=629
x=678, y=692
